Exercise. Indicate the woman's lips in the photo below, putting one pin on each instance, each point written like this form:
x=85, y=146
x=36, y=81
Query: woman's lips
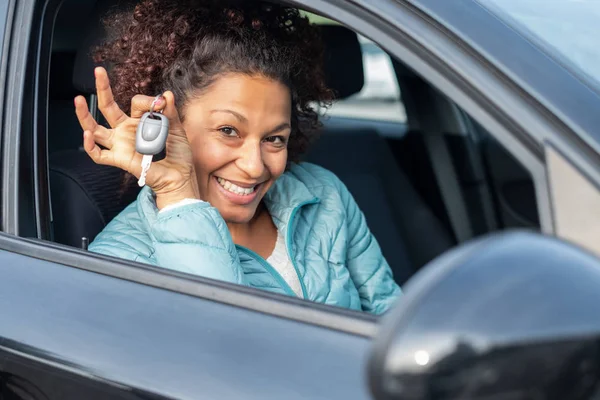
x=239, y=199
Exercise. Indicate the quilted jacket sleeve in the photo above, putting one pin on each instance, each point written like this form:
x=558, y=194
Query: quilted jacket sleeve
x=192, y=238
x=368, y=268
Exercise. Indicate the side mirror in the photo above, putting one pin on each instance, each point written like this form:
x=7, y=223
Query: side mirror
x=507, y=317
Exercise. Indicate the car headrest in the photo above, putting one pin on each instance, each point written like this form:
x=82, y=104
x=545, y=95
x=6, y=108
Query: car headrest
x=83, y=69
x=343, y=60
x=343, y=55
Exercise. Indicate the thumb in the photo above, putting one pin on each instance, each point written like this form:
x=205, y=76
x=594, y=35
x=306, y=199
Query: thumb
x=141, y=104
x=170, y=111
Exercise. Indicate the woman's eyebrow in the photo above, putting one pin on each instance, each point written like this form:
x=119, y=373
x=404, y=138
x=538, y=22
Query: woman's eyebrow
x=235, y=114
x=279, y=128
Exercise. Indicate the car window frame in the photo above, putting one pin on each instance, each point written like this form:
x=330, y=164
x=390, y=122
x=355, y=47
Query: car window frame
x=7, y=87
x=397, y=38
x=5, y=8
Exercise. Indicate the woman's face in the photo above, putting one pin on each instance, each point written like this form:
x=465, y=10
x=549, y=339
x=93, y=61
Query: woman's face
x=238, y=131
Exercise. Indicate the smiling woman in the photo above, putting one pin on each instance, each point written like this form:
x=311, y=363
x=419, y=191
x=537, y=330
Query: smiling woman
x=238, y=134
x=229, y=201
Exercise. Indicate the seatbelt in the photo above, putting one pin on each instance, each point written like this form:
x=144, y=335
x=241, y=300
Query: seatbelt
x=93, y=106
x=421, y=102
x=447, y=181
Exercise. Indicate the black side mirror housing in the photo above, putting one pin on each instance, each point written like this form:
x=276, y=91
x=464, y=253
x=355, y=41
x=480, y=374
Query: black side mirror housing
x=506, y=317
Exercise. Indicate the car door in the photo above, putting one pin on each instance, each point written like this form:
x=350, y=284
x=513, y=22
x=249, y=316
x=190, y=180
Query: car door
x=74, y=333
x=74, y=325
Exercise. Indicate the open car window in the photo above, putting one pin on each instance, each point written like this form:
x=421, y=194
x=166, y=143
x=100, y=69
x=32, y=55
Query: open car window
x=379, y=149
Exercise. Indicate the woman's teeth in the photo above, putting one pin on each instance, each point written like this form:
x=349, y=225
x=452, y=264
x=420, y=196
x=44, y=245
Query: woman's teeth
x=232, y=187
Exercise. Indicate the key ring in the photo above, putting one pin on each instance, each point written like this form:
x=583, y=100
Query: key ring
x=156, y=99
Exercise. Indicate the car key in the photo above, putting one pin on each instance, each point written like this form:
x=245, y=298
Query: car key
x=150, y=138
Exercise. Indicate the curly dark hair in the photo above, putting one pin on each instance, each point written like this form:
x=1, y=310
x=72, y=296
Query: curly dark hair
x=184, y=45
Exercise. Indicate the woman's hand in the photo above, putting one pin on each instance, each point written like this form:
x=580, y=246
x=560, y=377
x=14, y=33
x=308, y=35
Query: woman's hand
x=172, y=178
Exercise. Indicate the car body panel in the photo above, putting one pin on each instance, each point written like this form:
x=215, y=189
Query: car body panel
x=139, y=337
x=566, y=29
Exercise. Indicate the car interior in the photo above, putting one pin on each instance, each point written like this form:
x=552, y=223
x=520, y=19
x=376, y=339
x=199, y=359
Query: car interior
x=424, y=186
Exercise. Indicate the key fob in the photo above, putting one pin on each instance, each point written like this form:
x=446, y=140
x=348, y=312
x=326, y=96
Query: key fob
x=151, y=135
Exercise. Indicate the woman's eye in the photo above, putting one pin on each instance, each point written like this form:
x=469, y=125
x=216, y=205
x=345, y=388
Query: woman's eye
x=278, y=140
x=228, y=131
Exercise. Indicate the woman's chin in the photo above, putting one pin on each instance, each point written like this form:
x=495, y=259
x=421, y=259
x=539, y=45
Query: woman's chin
x=237, y=215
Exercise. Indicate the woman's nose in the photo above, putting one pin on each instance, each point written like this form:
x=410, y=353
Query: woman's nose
x=250, y=160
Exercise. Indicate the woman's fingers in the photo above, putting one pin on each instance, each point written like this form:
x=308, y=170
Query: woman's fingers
x=140, y=104
x=130, y=163
x=106, y=102
x=100, y=134
x=87, y=122
x=98, y=155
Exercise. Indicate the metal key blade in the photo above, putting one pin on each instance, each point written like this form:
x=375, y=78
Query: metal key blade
x=146, y=162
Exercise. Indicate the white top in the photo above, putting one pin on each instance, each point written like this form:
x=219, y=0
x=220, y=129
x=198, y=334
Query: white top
x=279, y=259
x=180, y=203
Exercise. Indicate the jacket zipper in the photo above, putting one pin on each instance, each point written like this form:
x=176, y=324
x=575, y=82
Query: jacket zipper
x=288, y=242
x=269, y=269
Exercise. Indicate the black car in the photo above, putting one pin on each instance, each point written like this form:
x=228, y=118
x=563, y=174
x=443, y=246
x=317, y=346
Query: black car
x=481, y=182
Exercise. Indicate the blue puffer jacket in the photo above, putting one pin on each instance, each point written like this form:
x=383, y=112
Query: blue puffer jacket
x=338, y=260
